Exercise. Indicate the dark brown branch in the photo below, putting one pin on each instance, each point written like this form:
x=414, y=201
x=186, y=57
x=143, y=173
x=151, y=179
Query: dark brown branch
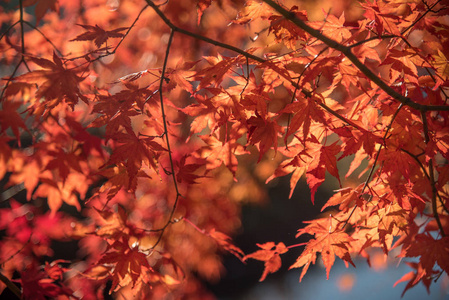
x=14, y=288
x=167, y=140
x=245, y=54
x=432, y=176
x=200, y=37
x=429, y=9
x=382, y=37
x=348, y=53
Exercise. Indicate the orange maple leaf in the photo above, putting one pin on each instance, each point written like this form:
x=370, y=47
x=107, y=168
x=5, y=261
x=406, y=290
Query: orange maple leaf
x=328, y=240
x=201, y=6
x=224, y=241
x=270, y=254
x=253, y=10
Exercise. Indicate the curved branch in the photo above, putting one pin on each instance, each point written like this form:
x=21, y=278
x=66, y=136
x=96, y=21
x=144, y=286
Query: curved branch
x=200, y=37
x=348, y=53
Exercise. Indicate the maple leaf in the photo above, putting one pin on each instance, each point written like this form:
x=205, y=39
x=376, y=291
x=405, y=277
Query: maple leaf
x=430, y=251
x=253, y=10
x=56, y=83
x=329, y=241
x=263, y=132
x=118, y=178
x=56, y=193
x=29, y=175
x=10, y=118
x=415, y=277
x=333, y=27
x=317, y=169
x=295, y=166
x=36, y=285
x=285, y=31
x=42, y=7
x=224, y=242
x=117, y=109
x=400, y=62
x=305, y=110
x=441, y=63
x=132, y=151
x=270, y=255
x=214, y=74
x=218, y=152
x=180, y=75
x=185, y=171
x=98, y=34
x=201, y=6
x=345, y=198
x=126, y=262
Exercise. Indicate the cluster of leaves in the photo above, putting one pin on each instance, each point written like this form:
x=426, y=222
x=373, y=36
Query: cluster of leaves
x=149, y=129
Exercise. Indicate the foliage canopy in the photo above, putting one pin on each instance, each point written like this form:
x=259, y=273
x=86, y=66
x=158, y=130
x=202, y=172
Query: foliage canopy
x=157, y=120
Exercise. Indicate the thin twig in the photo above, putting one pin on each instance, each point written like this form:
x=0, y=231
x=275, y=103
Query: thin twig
x=432, y=176
x=164, y=121
x=368, y=179
x=45, y=37
x=429, y=9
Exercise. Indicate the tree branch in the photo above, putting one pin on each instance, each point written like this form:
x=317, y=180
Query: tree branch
x=348, y=53
x=200, y=37
x=14, y=288
x=432, y=177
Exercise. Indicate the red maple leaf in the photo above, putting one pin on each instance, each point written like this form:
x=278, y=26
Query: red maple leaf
x=37, y=285
x=124, y=261
x=186, y=171
x=430, y=251
x=317, y=169
x=98, y=34
x=132, y=151
x=56, y=83
x=10, y=118
x=415, y=277
x=263, y=132
x=42, y=7
x=270, y=254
